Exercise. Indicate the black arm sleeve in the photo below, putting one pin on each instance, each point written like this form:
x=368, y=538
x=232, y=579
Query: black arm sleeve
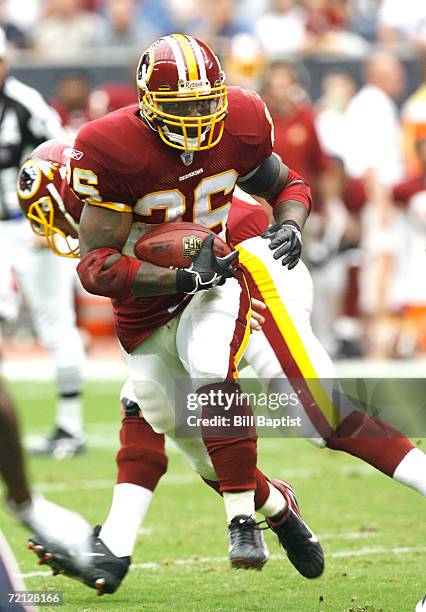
x=262, y=181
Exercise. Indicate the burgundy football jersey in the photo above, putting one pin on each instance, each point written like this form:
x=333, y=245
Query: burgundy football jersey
x=121, y=164
x=245, y=221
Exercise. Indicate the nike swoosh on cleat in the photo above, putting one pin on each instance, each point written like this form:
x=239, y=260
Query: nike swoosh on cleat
x=92, y=554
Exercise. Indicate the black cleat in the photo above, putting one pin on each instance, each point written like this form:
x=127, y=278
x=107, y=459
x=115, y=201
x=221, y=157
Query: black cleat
x=60, y=445
x=103, y=572
x=247, y=548
x=301, y=545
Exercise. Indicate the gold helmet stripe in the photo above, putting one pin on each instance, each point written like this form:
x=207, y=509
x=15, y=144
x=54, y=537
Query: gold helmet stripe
x=189, y=55
x=199, y=56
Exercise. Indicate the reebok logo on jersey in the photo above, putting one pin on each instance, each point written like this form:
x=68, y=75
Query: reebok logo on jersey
x=190, y=174
x=73, y=153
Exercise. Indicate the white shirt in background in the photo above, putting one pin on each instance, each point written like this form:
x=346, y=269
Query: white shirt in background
x=280, y=34
x=408, y=17
x=332, y=128
x=374, y=136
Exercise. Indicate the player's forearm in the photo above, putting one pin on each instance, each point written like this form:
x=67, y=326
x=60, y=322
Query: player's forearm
x=107, y=272
x=291, y=211
x=292, y=202
x=151, y=280
x=104, y=270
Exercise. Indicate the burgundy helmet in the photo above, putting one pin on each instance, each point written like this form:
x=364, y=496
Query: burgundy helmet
x=39, y=187
x=182, y=92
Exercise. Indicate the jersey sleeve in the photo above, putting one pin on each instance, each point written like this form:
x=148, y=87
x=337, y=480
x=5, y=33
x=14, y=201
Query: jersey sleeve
x=253, y=129
x=91, y=173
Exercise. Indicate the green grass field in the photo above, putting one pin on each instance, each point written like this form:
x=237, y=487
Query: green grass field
x=373, y=530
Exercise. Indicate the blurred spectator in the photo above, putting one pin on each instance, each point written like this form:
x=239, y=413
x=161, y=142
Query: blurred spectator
x=122, y=28
x=414, y=122
x=333, y=237
x=363, y=18
x=23, y=13
x=245, y=64
x=338, y=88
x=185, y=14
x=373, y=121
x=383, y=242
x=411, y=193
x=109, y=97
x=296, y=138
x=403, y=21
x=327, y=26
x=157, y=15
x=323, y=15
x=219, y=23
x=282, y=30
x=14, y=35
x=252, y=11
x=374, y=153
x=72, y=99
x=65, y=29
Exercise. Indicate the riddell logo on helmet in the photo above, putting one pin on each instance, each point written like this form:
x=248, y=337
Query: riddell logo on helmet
x=193, y=84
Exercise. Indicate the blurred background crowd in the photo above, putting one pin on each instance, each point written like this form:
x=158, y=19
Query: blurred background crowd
x=305, y=27
x=345, y=82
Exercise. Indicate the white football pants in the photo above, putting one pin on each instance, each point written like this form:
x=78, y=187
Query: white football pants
x=47, y=282
x=200, y=346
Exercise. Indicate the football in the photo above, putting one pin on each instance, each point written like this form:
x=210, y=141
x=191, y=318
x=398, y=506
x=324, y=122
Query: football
x=176, y=244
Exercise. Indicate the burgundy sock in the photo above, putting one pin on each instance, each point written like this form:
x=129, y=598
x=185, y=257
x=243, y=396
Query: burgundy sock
x=232, y=448
x=371, y=440
x=141, y=459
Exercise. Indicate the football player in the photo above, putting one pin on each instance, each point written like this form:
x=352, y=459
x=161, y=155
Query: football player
x=177, y=156
x=141, y=460
x=54, y=212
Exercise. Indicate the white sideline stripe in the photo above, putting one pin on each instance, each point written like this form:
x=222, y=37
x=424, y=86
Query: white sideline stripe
x=41, y=370
x=350, y=535
x=184, y=479
x=52, y=487
x=379, y=550
x=146, y=531
x=361, y=552
x=113, y=370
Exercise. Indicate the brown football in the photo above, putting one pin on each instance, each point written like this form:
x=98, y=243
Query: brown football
x=175, y=244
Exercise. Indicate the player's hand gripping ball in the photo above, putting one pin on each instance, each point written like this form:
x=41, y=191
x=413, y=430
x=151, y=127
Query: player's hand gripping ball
x=202, y=259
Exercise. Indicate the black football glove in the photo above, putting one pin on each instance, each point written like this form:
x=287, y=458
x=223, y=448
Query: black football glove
x=206, y=270
x=286, y=240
